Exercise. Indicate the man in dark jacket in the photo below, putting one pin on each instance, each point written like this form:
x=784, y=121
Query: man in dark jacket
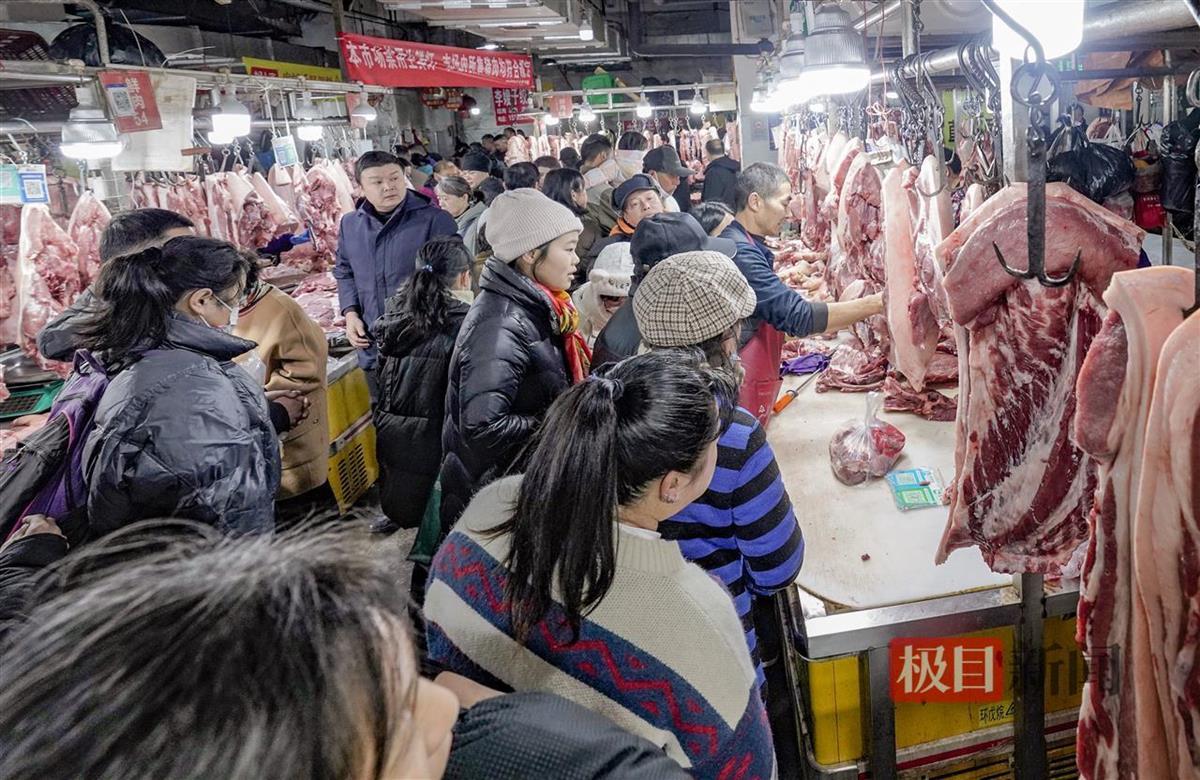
x=378, y=244
x=655, y=239
x=763, y=195
x=720, y=177
x=663, y=167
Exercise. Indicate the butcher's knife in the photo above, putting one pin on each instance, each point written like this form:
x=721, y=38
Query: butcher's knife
x=790, y=395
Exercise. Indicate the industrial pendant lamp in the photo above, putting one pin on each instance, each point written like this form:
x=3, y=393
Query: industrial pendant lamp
x=698, y=106
x=585, y=30
x=551, y=120
x=88, y=135
x=790, y=89
x=833, y=55
x=586, y=114
x=644, y=109
x=232, y=119
x=765, y=99
x=364, y=110
x=1058, y=27
x=306, y=116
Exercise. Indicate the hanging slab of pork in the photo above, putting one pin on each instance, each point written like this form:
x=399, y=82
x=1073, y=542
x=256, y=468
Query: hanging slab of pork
x=1114, y=389
x=1166, y=560
x=1022, y=489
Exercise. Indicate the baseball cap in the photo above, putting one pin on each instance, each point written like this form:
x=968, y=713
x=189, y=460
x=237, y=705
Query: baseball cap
x=637, y=183
x=666, y=160
x=662, y=235
x=691, y=297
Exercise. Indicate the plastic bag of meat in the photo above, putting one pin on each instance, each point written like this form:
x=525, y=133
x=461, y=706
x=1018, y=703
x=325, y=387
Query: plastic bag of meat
x=865, y=448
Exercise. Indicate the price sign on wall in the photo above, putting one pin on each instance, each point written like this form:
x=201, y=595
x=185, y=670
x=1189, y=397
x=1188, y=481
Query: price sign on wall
x=509, y=104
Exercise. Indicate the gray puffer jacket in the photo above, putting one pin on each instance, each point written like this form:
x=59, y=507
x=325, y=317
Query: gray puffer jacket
x=184, y=432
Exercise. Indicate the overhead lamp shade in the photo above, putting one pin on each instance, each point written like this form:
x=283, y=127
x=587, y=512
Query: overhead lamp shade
x=586, y=114
x=364, y=111
x=551, y=120
x=792, y=92
x=473, y=111
x=833, y=55
x=585, y=31
x=644, y=109
x=305, y=108
x=1058, y=27
x=217, y=139
x=88, y=135
x=698, y=105
x=232, y=118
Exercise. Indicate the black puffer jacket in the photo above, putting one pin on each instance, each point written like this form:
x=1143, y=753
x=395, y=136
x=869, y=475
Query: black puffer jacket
x=414, y=369
x=507, y=369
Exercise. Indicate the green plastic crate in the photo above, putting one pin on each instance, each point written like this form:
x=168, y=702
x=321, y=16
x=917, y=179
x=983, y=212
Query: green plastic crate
x=33, y=400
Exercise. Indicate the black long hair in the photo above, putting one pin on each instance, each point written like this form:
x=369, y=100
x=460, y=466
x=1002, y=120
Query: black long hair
x=426, y=294
x=632, y=141
x=561, y=184
x=602, y=443
x=138, y=292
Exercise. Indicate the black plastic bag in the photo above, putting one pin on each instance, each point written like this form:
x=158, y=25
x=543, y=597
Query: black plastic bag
x=125, y=47
x=1178, y=144
x=1096, y=170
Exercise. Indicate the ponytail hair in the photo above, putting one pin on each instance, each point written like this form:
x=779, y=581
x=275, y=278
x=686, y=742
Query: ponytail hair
x=138, y=292
x=604, y=441
x=426, y=294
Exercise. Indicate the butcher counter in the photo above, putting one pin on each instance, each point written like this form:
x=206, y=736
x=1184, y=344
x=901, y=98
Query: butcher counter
x=869, y=578
x=353, y=467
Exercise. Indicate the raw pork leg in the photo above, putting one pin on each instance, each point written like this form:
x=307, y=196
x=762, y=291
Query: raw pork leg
x=972, y=200
x=932, y=222
x=87, y=224
x=48, y=277
x=1114, y=389
x=1166, y=557
x=913, y=327
x=1022, y=488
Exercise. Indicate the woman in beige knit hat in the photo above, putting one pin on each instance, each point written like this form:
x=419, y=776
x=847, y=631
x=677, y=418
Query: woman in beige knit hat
x=518, y=348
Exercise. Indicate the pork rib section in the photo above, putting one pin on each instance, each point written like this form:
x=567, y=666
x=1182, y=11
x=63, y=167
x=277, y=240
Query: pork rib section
x=1166, y=556
x=1022, y=489
x=1114, y=389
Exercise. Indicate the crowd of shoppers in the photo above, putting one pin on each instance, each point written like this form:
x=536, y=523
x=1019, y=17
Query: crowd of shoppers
x=588, y=519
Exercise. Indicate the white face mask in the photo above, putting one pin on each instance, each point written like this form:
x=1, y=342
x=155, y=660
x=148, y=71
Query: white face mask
x=629, y=162
x=233, y=315
x=612, y=172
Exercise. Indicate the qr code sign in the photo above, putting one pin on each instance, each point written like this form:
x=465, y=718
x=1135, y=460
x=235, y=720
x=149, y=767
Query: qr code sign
x=35, y=190
x=118, y=96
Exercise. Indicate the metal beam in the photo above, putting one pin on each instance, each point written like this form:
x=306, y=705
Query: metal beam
x=878, y=14
x=1112, y=21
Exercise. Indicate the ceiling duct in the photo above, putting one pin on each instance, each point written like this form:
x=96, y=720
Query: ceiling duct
x=638, y=46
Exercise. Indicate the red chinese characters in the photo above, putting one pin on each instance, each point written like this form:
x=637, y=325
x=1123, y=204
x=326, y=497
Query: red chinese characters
x=391, y=63
x=956, y=669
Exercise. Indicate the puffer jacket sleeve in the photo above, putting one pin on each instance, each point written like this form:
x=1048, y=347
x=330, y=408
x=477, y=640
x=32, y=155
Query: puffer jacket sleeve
x=60, y=338
x=193, y=455
x=489, y=375
x=343, y=271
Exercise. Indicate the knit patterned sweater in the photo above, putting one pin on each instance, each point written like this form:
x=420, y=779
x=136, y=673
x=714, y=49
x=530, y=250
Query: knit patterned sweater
x=662, y=655
x=743, y=530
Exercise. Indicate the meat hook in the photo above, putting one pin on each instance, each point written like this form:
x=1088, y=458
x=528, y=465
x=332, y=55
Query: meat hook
x=933, y=128
x=1035, y=139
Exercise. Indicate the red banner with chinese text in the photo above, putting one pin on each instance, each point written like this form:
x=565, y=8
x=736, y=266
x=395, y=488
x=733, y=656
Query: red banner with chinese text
x=508, y=104
x=390, y=63
x=131, y=101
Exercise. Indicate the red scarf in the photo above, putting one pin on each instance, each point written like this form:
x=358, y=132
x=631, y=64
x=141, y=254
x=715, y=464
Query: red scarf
x=622, y=228
x=565, y=320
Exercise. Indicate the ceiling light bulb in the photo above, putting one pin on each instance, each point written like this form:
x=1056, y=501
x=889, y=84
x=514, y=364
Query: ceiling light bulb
x=644, y=109
x=1058, y=27
x=816, y=107
x=307, y=131
x=698, y=106
x=489, y=46
x=891, y=94
x=305, y=110
x=834, y=63
x=474, y=111
x=585, y=31
x=551, y=120
x=232, y=118
x=586, y=114
x=218, y=139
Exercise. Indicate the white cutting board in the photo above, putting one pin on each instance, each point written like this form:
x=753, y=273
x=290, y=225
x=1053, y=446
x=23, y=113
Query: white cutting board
x=841, y=523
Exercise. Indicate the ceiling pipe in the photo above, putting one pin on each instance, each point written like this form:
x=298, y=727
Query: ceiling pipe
x=638, y=47
x=877, y=14
x=97, y=19
x=1113, y=21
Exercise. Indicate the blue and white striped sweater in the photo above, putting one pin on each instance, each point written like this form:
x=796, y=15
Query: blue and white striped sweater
x=743, y=529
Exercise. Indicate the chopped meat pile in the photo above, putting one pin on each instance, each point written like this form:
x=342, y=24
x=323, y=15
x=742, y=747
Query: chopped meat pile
x=317, y=295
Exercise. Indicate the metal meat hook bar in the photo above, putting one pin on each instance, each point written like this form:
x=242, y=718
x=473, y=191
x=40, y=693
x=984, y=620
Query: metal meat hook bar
x=1036, y=145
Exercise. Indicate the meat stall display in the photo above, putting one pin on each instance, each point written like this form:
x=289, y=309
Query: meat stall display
x=1023, y=489
x=1114, y=391
x=48, y=278
x=85, y=228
